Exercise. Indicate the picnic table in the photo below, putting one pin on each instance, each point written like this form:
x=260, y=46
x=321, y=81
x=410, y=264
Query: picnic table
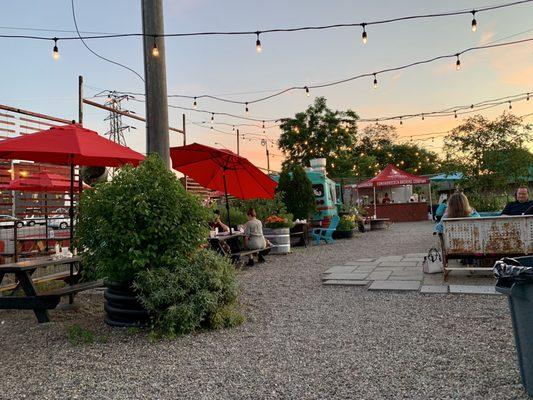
x=300, y=231
x=40, y=303
x=230, y=244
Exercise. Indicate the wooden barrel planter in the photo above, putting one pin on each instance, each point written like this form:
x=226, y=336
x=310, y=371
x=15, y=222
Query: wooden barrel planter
x=280, y=237
x=122, y=307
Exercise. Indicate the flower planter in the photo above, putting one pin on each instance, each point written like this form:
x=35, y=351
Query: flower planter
x=343, y=234
x=122, y=307
x=280, y=237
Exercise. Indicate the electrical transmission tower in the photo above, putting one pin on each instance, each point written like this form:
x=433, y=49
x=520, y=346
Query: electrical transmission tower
x=116, y=128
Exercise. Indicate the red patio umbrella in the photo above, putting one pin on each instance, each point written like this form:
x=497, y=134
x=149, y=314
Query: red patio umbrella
x=68, y=145
x=223, y=170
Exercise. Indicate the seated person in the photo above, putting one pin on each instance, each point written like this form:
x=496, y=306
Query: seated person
x=458, y=207
x=439, y=212
x=386, y=199
x=522, y=205
x=253, y=236
x=217, y=223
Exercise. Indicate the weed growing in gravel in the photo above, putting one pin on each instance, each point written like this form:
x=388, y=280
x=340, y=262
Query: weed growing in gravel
x=78, y=335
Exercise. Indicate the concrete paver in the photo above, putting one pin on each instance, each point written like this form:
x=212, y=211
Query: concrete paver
x=344, y=277
x=394, y=285
x=345, y=282
x=472, y=289
x=432, y=289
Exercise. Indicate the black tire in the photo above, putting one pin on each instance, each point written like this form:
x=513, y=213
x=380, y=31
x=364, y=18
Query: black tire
x=20, y=224
x=126, y=314
x=31, y=223
x=117, y=300
x=63, y=225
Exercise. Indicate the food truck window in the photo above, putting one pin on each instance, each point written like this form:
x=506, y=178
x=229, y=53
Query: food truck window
x=318, y=189
x=332, y=193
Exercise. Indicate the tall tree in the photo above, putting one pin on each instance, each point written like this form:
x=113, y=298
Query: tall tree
x=490, y=153
x=318, y=132
x=297, y=190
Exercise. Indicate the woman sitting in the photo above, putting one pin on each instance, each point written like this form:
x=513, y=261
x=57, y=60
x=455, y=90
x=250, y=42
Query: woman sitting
x=458, y=207
x=253, y=236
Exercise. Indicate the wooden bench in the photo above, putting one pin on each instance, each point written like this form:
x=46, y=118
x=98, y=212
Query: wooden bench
x=237, y=255
x=482, y=238
x=40, y=303
x=58, y=276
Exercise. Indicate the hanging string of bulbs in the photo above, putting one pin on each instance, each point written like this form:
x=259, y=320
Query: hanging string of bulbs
x=258, y=45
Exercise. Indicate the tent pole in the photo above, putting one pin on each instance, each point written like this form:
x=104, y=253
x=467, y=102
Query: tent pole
x=71, y=209
x=46, y=230
x=375, y=205
x=227, y=201
x=430, y=201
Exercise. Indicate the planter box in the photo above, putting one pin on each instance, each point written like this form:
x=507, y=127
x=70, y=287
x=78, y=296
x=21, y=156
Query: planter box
x=343, y=234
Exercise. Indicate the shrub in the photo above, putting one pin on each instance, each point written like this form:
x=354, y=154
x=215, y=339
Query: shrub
x=346, y=223
x=238, y=217
x=487, y=201
x=198, y=293
x=142, y=219
x=298, y=195
x=263, y=207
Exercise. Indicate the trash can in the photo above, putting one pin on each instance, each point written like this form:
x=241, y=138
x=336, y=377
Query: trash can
x=517, y=283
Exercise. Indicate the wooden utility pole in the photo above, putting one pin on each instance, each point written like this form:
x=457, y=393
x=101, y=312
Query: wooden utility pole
x=183, y=129
x=238, y=152
x=80, y=100
x=155, y=75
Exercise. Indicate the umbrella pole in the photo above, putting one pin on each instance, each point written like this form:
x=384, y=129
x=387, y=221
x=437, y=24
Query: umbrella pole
x=71, y=210
x=46, y=232
x=227, y=201
x=430, y=202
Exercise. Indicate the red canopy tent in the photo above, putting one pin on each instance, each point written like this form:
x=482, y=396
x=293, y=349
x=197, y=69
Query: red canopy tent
x=392, y=176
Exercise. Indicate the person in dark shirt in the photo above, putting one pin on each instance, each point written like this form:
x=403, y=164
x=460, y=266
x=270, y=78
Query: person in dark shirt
x=217, y=223
x=522, y=205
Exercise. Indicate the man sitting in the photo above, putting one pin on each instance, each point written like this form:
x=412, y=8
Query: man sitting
x=522, y=205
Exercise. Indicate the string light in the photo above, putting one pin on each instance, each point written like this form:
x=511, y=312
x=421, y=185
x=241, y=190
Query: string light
x=510, y=106
x=247, y=111
x=422, y=117
x=307, y=91
x=401, y=122
x=258, y=47
x=455, y=113
x=212, y=118
x=195, y=104
x=364, y=36
x=527, y=98
x=474, y=22
x=56, y=50
x=155, y=50
x=457, y=63
x=233, y=129
x=263, y=125
x=375, y=81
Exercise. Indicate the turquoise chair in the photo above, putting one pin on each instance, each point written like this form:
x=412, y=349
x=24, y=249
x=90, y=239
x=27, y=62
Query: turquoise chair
x=325, y=234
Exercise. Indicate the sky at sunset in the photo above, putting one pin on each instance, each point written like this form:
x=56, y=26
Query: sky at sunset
x=230, y=66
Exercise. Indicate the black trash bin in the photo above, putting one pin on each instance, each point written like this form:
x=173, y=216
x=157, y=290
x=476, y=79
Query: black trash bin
x=519, y=289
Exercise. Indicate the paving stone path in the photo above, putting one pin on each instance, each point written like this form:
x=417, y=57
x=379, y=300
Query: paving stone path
x=401, y=273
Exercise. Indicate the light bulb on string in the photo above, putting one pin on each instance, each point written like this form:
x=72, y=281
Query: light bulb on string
x=258, y=47
x=233, y=129
x=457, y=63
x=527, y=98
x=212, y=118
x=375, y=81
x=194, y=105
x=401, y=122
x=155, y=50
x=55, y=53
x=263, y=125
x=510, y=106
x=246, y=110
x=364, y=36
x=455, y=113
x=307, y=91
x=422, y=117
x=474, y=22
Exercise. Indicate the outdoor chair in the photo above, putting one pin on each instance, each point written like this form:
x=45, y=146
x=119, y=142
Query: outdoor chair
x=325, y=234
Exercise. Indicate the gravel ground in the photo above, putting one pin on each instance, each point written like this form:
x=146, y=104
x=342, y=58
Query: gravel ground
x=300, y=341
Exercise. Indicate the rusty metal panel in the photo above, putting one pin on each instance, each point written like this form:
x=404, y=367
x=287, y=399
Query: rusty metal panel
x=490, y=235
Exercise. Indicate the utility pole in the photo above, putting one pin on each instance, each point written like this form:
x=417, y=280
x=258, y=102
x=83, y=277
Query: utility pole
x=238, y=151
x=157, y=138
x=183, y=128
x=116, y=127
x=80, y=100
x=264, y=142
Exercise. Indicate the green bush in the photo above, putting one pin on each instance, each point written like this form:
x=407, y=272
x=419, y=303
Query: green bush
x=237, y=216
x=487, y=201
x=198, y=293
x=297, y=190
x=263, y=207
x=143, y=219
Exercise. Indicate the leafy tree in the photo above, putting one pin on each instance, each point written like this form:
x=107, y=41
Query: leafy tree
x=318, y=132
x=297, y=190
x=490, y=153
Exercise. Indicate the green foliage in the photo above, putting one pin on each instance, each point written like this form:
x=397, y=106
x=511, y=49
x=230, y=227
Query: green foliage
x=237, y=216
x=490, y=154
x=142, y=219
x=487, y=201
x=297, y=190
x=318, y=132
x=77, y=335
x=198, y=293
x=263, y=207
x=346, y=223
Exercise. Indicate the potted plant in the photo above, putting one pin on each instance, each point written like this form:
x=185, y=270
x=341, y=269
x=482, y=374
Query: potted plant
x=277, y=231
x=143, y=231
x=346, y=227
